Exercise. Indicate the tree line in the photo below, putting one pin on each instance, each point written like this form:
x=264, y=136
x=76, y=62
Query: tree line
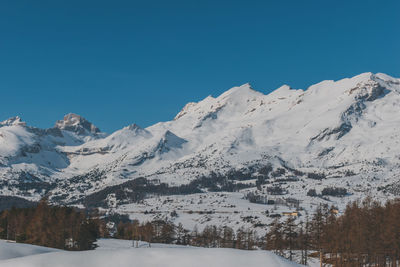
x=211, y=236
x=50, y=226
x=366, y=234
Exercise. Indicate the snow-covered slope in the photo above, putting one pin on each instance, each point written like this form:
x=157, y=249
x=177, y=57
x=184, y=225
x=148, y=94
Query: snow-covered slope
x=11, y=250
x=334, y=134
x=32, y=159
x=119, y=253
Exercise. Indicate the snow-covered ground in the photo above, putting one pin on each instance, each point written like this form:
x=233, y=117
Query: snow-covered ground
x=120, y=253
x=200, y=210
x=226, y=209
x=9, y=250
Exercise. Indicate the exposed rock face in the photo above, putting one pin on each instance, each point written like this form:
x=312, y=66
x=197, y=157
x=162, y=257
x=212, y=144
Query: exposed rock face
x=77, y=124
x=13, y=121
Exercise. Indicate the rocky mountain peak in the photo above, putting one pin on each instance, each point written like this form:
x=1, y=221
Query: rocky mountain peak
x=76, y=123
x=13, y=121
x=133, y=127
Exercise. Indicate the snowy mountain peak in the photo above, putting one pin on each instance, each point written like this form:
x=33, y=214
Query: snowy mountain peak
x=136, y=130
x=13, y=121
x=284, y=91
x=75, y=123
x=210, y=104
x=244, y=90
x=133, y=127
x=387, y=78
x=185, y=110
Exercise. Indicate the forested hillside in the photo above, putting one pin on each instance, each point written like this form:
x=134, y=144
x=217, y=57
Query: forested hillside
x=50, y=226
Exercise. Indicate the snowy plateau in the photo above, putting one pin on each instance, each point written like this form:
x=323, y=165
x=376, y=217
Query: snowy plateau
x=240, y=159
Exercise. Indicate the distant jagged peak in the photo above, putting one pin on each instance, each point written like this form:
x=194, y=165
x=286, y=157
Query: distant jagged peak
x=373, y=86
x=370, y=76
x=362, y=76
x=136, y=130
x=185, y=110
x=238, y=96
x=243, y=91
x=133, y=127
x=284, y=87
x=284, y=91
x=77, y=124
x=338, y=88
x=13, y=121
x=387, y=78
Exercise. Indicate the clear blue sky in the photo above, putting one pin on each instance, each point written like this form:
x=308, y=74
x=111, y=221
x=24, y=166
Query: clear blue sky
x=122, y=62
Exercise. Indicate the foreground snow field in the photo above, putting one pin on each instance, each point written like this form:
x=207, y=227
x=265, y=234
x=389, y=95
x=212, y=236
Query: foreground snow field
x=15, y=250
x=113, y=252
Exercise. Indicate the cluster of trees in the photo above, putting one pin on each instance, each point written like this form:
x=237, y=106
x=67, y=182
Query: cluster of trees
x=72, y=229
x=211, y=236
x=334, y=191
x=153, y=232
x=225, y=237
x=137, y=189
x=276, y=190
x=312, y=193
x=329, y=191
x=58, y=227
x=256, y=198
x=367, y=233
x=288, y=236
x=316, y=176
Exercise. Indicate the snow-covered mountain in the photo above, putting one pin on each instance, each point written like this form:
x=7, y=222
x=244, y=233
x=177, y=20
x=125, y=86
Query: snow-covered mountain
x=77, y=124
x=334, y=134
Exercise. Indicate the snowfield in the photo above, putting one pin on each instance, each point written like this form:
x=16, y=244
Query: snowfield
x=120, y=253
x=9, y=250
x=200, y=210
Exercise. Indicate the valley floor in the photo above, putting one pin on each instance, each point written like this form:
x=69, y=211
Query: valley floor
x=113, y=252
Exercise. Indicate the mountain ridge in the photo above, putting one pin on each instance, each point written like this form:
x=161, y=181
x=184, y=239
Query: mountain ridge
x=333, y=134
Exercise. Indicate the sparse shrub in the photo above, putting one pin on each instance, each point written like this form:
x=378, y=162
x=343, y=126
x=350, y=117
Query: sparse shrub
x=334, y=191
